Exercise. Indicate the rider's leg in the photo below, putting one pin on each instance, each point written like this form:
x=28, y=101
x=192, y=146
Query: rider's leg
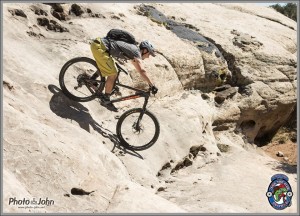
x=108, y=69
x=109, y=84
x=108, y=89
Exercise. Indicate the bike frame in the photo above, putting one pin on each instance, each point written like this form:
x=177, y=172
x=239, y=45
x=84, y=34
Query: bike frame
x=139, y=93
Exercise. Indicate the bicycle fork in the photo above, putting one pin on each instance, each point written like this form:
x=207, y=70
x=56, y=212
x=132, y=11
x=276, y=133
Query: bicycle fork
x=137, y=126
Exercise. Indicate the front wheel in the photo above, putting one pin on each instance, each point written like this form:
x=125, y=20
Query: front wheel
x=138, y=130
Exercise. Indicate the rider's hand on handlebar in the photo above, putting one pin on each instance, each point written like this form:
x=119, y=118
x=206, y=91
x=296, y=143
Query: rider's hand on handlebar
x=153, y=89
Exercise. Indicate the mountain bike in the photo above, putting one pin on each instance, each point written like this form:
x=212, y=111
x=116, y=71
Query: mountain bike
x=80, y=80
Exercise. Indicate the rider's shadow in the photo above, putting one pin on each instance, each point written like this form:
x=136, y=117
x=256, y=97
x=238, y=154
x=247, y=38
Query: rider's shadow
x=69, y=109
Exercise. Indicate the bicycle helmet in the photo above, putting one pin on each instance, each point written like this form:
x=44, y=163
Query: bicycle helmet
x=147, y=45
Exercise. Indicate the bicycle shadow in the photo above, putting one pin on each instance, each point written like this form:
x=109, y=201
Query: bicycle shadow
x=66, y=108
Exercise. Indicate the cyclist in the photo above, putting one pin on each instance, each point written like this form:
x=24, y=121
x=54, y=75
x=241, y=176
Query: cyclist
x=105, y=51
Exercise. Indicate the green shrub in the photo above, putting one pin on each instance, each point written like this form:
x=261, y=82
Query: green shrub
x=289, y=10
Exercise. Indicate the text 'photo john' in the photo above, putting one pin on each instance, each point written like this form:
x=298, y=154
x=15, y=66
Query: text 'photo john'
x=33, y=201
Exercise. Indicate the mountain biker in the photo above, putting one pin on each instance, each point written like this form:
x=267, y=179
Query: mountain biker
x=119, y=50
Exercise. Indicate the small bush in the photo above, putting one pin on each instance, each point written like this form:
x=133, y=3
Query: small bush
x=289, y=10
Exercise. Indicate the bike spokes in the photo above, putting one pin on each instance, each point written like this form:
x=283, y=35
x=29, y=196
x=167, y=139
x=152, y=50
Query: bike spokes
x=138, y=132
x=78, y=80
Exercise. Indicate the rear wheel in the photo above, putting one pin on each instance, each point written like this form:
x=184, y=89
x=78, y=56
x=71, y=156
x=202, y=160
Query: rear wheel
x=138, y=131
x=80, y=79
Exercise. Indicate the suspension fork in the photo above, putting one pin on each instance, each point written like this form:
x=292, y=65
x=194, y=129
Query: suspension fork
x=137, y=126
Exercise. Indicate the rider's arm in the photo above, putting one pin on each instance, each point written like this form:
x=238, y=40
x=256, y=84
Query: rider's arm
x=138, y=66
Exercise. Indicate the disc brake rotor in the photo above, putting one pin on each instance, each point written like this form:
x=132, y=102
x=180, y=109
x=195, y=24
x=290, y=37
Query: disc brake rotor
x=137, y=129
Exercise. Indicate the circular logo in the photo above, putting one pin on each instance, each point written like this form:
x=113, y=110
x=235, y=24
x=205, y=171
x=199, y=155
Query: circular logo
x=279, y=192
